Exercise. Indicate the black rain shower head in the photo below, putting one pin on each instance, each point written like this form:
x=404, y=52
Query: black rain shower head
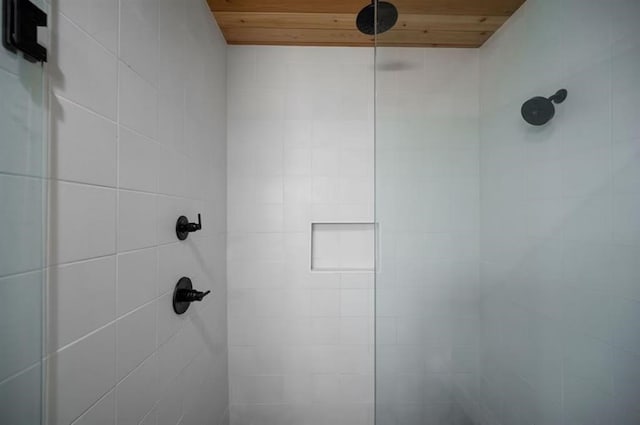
x=539, y=110
x=387, y=18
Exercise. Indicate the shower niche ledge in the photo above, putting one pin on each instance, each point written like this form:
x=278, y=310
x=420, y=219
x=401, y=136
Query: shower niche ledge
x=343, y=247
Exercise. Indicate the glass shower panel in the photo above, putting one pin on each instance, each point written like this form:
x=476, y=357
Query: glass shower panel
x=427, y=203
x=22, y=253
x=508, y=283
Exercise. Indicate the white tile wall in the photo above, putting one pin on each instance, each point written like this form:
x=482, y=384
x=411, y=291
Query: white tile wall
x=22, y=255
x=122, y=172
x=80, y=158
x=22, y=334
x=80, y=375
x=26, y=255
x=82, y=232
x=559, y=217
x=427, y=204
x=84, y=72
x=138, y=137
x=137, y=281
x=100, y=413
x=343, y=246
x=300, y=149
x=84, y=289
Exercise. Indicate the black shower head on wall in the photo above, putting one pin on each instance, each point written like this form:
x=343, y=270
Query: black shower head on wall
x=539, y=110
x=387, y=18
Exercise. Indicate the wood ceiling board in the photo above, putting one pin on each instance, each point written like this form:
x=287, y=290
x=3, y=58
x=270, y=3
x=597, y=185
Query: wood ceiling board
x=425, y=7
x=290, y=6
x=325, y=21
x=311, y=37
x=346, y=21
x=424, y=23
x=458, y=7
x=303, y=37
x=449, y=22
x=441, y=38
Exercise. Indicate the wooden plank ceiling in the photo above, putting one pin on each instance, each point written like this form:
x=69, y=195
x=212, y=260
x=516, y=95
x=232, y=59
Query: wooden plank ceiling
x=421, y=23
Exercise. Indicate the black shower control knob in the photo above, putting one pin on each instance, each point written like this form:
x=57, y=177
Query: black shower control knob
x=190, y=295
x=183, y=227
x=184, y=295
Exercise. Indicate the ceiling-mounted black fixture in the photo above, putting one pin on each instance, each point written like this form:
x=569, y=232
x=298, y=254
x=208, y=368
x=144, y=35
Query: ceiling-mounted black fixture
x=539, y=110
x=20, y=22
x=387, y=16
x=184, y=295
x=183, y=227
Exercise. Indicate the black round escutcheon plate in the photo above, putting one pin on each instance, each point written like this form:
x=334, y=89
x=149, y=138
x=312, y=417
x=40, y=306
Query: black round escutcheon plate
x=181, y=306
x=181, y=225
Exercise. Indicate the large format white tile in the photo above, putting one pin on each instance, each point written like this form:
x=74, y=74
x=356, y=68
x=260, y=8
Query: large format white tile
x=138, y=102
x=171, y=359
x=136, y=338
x=139, y=37
x=171, y=119
x=82, y=297
x=151, y=418
x=21, y=301
x=137, y=277
x=22, y=209
x=83, y=71
x=172, y=62
x=174, y=262
x=624, y=318
x=168, y=321
x=83, y=222
x=97, y=17
x=172, y=171
x=136, y=220
x=626, y=226
x=625, y=92
x=101, y=413
x=80, y=375
x=137, y=162
x=136, y=395
x=83, y=145
x=22, y=397
x=22, y=150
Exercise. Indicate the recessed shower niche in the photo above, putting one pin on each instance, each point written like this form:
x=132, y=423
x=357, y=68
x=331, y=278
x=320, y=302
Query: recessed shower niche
x=343, y=246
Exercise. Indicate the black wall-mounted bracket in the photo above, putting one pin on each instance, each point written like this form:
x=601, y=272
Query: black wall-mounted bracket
x=183, y=227
x=20, y=22
x=184, y=295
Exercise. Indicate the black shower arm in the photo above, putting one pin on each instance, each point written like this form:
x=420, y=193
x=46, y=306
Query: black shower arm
x=559, y=96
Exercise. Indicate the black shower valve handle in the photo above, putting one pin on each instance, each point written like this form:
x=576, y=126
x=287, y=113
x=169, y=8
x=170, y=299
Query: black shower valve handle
x=184, y=295
x=184, y=227
x=190, y=295
x=194, y=227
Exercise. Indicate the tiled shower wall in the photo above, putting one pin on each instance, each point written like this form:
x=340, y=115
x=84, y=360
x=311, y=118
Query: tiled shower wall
x=22, y=254
x=560, y=235
x=427, y=203
x=300, y=150
x=138, y=137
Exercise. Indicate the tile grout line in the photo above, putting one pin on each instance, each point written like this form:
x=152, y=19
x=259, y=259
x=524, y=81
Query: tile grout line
x=117, y=207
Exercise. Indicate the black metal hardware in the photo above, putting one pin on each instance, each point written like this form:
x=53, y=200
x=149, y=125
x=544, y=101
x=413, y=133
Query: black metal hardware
x=20, y=22
x=540, y=110
x=183, y=227
x=184, y=295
